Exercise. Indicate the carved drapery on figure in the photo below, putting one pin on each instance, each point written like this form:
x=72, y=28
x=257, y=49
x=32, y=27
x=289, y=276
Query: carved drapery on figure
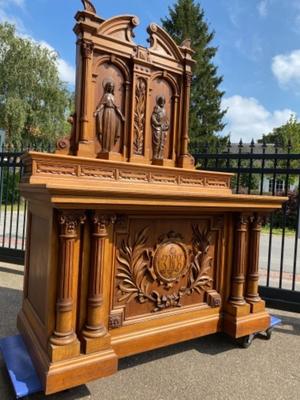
x=166, y=264
x=109, y=118
x=139, y=116
x=160, y=127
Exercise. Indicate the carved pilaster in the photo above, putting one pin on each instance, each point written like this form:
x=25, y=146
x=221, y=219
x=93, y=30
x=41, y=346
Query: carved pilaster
x=239, y=262
x=185, y=159
x=252, y=295
x=69, y=229
x=94, y=327
x=86, y=48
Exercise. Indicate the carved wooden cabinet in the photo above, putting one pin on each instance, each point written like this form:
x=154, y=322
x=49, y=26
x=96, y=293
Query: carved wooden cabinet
x=129, y=247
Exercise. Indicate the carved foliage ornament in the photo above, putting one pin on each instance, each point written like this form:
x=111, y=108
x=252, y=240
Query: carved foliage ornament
x=88, y=6
x=70, y=222
x=140, y=266
x=139, y=116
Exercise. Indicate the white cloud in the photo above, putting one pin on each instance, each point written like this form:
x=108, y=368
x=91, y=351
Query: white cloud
x=262, y=8
x=65, y=70
x=286, y=67
x=247, y=119
x=7, y=3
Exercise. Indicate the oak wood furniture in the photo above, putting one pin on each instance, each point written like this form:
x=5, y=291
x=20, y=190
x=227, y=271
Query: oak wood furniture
x=129, y=247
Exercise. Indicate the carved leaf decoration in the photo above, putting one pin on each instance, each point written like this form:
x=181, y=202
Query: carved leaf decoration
x=139, y=116
x=135, y=266
x=133, y=263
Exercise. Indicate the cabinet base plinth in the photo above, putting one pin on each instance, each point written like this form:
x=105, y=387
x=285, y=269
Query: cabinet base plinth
x=92, y=345
x=238, y=311
x=243, y=326
x=66, y=374
x=80, y=370
x=257, y=306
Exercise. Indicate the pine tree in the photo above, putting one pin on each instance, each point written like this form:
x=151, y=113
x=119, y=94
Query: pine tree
x=186, y=21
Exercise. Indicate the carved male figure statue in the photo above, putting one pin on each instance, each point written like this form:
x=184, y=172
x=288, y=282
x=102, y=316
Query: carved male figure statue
x=109, y=118
x=160, y=127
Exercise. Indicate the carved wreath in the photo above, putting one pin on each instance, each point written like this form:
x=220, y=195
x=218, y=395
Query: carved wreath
x=135, y=269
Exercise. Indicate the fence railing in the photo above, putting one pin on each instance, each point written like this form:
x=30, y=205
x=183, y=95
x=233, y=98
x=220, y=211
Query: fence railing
x=259, y=169
x=262, y=169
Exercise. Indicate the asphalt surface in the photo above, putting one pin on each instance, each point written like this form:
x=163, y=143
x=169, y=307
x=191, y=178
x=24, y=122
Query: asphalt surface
x=211, y=368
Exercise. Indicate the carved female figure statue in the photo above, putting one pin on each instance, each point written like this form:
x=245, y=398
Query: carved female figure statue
x=109, y=118
x=160, y=127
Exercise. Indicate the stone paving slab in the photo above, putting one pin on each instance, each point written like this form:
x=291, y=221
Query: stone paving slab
x=207, y=368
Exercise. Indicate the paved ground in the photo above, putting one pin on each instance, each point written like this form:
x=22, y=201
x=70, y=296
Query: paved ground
x=210, y=368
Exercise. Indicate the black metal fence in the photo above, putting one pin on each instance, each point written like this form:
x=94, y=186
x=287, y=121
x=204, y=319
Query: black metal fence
x=259, y=169
x=263, y=169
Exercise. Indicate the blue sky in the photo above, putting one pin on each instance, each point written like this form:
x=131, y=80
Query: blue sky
x=258, y=41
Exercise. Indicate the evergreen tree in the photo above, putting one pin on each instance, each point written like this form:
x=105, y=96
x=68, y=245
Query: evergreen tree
x=186, y=21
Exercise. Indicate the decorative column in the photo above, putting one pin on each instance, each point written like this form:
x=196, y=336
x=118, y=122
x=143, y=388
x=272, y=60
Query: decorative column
x=185, y=159
x=69, y=229
x=239, y=263
x=86, y=49
x=94, y=331
x=252, y=295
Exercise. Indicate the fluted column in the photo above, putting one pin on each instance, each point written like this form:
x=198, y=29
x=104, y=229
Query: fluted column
x=69, y=228
x=94, y=327
x=86, y=54
x=252, y=295
x=239, y=262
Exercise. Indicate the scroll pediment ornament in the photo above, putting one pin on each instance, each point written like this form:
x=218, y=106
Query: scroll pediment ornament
x=161, y=42
x=88, y=6
x=109, y=118
x=140, y=266
x=120, y=28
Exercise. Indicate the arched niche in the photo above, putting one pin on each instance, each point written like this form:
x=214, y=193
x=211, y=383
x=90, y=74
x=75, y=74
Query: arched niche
x=164, y=85
x=114, y=70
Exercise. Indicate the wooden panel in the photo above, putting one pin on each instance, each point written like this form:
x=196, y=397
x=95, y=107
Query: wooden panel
x=38, y=271
x=165, y=263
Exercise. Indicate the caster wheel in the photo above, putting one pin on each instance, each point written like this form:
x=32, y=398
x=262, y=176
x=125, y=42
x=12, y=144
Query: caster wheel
x=246, y=341
x=269, y=333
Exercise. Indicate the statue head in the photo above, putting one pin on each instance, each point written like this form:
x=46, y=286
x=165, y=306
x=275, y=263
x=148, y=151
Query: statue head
x=161, y=101
x=109, y=87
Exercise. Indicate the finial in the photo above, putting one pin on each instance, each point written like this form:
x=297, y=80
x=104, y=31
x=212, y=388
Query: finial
x=88, y=6
x=187, y=43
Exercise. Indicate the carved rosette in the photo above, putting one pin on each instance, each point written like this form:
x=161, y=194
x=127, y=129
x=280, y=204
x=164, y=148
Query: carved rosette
x=166, y=264
x=94, y=327
x=69, y=230
x=139, y=116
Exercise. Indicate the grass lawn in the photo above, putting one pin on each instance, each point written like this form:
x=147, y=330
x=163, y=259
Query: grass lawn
x=278, y=231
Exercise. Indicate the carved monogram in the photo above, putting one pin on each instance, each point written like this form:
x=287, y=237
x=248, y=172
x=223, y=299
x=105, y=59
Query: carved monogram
x=139, y=116
x=140, y=266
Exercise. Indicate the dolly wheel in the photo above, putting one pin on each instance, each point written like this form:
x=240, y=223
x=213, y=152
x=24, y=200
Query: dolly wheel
x=269, y=333
x=246, y=341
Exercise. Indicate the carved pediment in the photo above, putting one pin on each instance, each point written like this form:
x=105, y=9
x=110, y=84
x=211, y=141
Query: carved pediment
x=162, y=43
x=120, y=27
